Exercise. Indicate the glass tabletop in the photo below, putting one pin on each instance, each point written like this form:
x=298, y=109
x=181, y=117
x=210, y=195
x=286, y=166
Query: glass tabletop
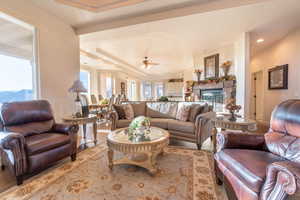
x=122, y=136
x=238, y=120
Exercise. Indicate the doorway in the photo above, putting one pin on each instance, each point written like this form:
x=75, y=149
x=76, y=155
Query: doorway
x=257, y=96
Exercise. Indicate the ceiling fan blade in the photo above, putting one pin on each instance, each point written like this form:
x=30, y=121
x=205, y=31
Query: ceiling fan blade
x=152, y=63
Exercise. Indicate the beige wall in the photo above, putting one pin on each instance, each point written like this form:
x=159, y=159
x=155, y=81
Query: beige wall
x=58, y=53
x=225, y=53
x=285, y=51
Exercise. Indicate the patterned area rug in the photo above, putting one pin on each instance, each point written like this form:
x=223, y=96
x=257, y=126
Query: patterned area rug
x=183, y=175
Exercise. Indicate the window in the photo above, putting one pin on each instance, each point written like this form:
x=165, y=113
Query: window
x=109, y=87
x=85, y=79
x=17, y=61
x=159, y=90
x=132, y=90
x=147, y=90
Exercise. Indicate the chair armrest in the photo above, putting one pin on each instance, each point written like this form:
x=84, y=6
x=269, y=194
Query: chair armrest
x=282, y=179
x=113, y=117
x=203, y=126
x=68, y=129
x=237, y=140
x=14, y=143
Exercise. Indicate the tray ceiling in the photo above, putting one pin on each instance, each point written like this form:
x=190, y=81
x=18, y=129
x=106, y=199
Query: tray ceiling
x=99, y=5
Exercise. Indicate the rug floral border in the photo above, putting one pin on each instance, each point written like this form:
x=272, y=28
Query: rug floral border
x=201, y=186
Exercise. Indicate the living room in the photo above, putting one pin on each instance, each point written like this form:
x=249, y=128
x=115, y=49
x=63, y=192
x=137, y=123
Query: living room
x=149, y=100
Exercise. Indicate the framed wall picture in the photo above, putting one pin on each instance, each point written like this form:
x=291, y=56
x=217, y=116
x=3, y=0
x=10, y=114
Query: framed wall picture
x=211, y=66
x=278, y=77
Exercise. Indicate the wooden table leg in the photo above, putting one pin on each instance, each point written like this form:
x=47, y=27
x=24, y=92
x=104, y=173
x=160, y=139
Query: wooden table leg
x=84, y=132
x=110, y=155
x=214, y=136
x=95, y=132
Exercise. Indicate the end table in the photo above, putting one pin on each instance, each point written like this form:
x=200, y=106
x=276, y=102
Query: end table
x=223, y=122
x=84, y=121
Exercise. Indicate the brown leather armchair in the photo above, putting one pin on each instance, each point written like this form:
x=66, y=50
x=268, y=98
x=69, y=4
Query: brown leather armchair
x=30, y=140
x=264, y=167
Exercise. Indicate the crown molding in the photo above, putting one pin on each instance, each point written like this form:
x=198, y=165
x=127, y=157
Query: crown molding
x=155, y=15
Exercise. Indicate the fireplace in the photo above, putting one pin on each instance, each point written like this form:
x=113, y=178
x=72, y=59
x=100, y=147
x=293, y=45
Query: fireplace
x=216, y=93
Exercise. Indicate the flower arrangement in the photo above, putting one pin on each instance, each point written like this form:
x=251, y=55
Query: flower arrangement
x=226, y=67
x=232, y=107
x=139, y=129
x=198, y=73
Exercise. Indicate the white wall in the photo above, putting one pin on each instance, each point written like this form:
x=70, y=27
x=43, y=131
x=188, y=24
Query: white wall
x=285, y=51
x=58, y=53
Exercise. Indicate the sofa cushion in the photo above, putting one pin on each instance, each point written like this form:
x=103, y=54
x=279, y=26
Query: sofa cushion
x=159, y=122
x=31, y=128
x=120, y=111
x=161, y=109
x=196, y=109
x=46, y=141
x=181, y=126
x=129, y=113
x=139, y=109
x=183, y=112
x=123, y=123
x=249, y=166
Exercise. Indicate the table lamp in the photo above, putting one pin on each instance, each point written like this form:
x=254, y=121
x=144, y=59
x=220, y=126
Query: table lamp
x=77, y=88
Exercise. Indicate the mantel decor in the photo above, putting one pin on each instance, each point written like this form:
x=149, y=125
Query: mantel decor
x=211, y=66
x=226, y=67
x=278, y=77
x=198, y=73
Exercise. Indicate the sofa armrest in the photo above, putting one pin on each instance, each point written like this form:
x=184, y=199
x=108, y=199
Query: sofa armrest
x=113, y=117
x=240, y=141
x=282, y=179
x=68, y=129
x=14, y=143
x=203, y=126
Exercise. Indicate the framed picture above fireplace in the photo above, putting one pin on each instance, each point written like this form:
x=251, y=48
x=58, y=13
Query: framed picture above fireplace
x=278, y=77
x=211, y=67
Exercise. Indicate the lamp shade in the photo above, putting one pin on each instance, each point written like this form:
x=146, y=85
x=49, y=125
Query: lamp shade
x=77, y=87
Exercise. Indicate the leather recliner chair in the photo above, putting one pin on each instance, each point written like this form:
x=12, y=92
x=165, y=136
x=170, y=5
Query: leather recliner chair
x=262, y=167
x=30, y=140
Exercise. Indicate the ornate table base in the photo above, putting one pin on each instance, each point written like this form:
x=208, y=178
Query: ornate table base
x=145, y=160
x=142, y=154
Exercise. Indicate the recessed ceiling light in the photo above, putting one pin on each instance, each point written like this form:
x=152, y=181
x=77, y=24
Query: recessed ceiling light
x=260, y=40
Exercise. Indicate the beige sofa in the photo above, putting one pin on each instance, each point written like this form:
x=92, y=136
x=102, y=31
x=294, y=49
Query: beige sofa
x=163, y=115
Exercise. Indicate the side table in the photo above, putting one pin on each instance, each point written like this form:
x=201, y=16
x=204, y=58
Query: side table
x=224, y=123
x=84, y=121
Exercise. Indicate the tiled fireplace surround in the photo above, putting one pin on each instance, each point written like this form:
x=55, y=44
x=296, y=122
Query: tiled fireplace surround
x=225, y=89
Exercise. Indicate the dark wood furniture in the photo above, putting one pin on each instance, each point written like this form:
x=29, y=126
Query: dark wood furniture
x=90, y=119
x=31, y=140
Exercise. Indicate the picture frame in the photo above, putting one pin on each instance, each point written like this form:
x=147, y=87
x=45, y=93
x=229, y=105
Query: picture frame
x=278, y=77
x=211, y=67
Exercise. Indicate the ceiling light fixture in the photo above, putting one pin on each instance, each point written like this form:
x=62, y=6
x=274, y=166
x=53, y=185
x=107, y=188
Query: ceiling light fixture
x=260, y=40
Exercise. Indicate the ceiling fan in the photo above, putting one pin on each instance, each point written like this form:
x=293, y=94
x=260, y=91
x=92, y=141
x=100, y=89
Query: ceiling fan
x=147, y=64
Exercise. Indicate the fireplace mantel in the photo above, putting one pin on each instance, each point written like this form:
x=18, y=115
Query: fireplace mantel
x=219, y=85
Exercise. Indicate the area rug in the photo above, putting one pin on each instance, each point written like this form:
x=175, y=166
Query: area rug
x=183, y=175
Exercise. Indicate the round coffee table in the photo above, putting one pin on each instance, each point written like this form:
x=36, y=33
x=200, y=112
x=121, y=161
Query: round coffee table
x=139, y=153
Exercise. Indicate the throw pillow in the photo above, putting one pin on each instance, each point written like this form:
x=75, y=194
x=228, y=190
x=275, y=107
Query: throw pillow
x=139, y=109
x=183, y=113
x=120, y=110
x=129, y=113
x=196, y=109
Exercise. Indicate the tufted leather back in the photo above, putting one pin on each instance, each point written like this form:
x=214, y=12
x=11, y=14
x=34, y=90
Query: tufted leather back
x=283, y=138
x=29, y=117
